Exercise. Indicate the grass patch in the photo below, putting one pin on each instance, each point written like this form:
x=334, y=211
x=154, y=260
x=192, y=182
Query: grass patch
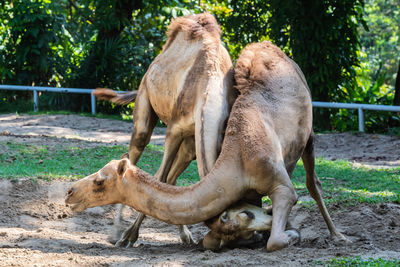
x=47, y=162
x=346, y=184
x=358, y=261
x=342, y=182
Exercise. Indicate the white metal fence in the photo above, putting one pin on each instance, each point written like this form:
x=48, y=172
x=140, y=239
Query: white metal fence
x=359, y=107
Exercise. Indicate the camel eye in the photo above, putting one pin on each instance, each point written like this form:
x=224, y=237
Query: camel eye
x=99, y=183
x=249, y=214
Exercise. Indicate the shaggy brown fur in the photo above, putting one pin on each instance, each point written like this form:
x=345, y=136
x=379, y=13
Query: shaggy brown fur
x=197, y=26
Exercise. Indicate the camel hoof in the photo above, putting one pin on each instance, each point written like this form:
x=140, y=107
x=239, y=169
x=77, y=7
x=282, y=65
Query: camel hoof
x=341, y=239
x=186, y=237
x=127, y=239
x=293, y=236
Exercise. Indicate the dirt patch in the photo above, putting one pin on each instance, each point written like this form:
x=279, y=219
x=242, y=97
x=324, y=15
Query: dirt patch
x=36, y=228
x=367, y=149
x=71, y=127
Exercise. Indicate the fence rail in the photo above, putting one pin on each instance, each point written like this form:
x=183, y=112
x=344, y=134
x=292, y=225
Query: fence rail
x=359, y=107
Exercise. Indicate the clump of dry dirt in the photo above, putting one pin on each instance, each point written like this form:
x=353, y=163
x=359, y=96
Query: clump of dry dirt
x=36, y=228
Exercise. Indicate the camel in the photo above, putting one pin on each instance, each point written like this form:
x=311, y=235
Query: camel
x=268, y=130
x=189, y=86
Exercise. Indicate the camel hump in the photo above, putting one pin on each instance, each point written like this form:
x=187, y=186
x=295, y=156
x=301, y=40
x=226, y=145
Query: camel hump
x=256, y=64
x=202, y=25
x=110, y=95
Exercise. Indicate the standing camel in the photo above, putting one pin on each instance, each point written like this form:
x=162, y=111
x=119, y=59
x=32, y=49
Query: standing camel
x=269, y=129
x=189, y=86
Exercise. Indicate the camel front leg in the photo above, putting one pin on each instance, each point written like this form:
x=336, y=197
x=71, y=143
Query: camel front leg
x=173, y=141
x=283, y=198
x=144, y=121
x=315, y=188
x=185, y=155
x=130, y=235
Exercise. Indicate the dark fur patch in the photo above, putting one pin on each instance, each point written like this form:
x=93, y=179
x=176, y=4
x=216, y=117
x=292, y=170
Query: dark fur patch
x=99, y=189
x=249, y=214
x=122, y=167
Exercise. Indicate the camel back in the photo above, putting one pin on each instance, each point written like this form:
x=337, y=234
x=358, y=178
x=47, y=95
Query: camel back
x=197, y=26
x=250, y=74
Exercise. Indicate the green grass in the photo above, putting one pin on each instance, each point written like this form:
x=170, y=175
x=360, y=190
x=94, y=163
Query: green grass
x=358, y=261
x=342, y=182
x=46, y=162
x=346, y=184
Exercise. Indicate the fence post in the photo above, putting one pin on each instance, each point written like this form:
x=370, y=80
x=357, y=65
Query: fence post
x=35, y=101
x=93, y=101
x=361, y=120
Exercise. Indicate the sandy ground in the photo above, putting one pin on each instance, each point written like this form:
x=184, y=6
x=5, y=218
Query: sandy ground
x=37, y=229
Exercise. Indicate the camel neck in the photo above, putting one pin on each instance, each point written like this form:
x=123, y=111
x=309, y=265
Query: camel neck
x=182, y=205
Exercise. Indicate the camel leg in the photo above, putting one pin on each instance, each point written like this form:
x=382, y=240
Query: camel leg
x=183, y=158
x=315, y=188
x=283, y=198
x=144, y=121
x=173, y=141
x=185, y=155
x=130, y=235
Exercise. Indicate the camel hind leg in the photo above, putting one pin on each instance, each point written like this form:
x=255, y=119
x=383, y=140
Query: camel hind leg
x=315, y=188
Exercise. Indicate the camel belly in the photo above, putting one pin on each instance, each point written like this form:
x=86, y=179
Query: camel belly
x=164, y=85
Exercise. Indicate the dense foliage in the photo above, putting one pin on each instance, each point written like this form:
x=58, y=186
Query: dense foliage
x=110, y=43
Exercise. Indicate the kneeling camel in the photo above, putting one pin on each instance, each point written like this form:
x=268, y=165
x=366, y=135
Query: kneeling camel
x=269, y=129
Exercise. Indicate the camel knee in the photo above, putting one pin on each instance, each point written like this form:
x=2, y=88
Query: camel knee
x=285, y=195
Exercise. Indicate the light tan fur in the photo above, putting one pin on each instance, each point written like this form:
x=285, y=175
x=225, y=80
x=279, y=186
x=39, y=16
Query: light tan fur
x=189, y=86
x=269, y=129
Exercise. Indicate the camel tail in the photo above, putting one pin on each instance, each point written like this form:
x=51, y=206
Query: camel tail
x=110, y=95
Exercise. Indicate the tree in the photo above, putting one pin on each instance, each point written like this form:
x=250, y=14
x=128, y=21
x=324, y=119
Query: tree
x=381, y=40
x=323, y=39
x=32, y=32
x=109, y=20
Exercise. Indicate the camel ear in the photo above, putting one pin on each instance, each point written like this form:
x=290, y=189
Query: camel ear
x=124, y=156
x=123, y=164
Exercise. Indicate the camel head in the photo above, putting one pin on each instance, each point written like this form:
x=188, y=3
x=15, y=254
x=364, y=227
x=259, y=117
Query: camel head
x=237, y=222
x=98, y=189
